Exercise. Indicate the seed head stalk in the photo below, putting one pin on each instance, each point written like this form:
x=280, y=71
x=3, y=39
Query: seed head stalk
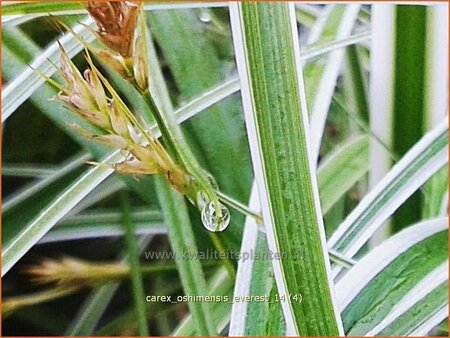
x=171, y=133
x=127, y=55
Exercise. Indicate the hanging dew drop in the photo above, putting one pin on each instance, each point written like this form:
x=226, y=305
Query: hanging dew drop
x=211, y=222
x=205, y=17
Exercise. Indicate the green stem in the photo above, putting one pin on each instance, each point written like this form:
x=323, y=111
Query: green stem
x=12, y=304
x=135, y=269
x=168, y=136
x=182, y=241
x=239, y=207
x=226, y=261
x=148, y=270
x=174, y=140
x=334, y=256
x=355, y=84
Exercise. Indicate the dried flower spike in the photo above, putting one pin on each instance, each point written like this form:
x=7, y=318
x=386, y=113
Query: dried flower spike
x=145, y=154
x=205, y=193
x=84, y=94
x=116, y=23
x=88, y=96
x=72, y=272
x=140, y=63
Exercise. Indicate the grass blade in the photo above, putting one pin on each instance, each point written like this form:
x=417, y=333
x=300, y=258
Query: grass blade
x=314, y=50
x=355, y=84
x=380, y=99
x=104, y=223
x=72, y=233
x=31, y=170
x=24, y=85
x=320, y=79
x=107, y=188
x=418, y=306
x=410, y=51
x=341, y=169
x=435, y=193
x=48, y=217
x=35, y=187
x=431, y=323
x=25, y=7
x=395, y=267
x=436, y=97
x=176, y=216
x=182, y=241
x=264, y=318
x=306, y=14
x=135, y=267
x=92, y=309
x=270, y=86
x=408, y=175
x=381, y=82
x=346, y=165
x=18, y=217
x=11, y=37
x=220, y=286
x=196, y=69
x=244, y=270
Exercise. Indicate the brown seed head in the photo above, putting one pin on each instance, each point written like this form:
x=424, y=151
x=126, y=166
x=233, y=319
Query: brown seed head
x=116, y=21
x=84, y=93
x=70, y=272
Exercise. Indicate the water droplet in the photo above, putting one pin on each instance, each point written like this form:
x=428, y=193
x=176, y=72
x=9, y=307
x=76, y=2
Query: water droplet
x=211, y=222
x=205, y=17
x=202, y=200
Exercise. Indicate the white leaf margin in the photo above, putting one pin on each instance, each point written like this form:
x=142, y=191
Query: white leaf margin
x=355, y=280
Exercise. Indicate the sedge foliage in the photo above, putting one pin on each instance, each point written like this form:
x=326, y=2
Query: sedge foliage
x=284, y=122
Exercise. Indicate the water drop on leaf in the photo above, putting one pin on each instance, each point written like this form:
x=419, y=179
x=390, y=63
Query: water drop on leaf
x=211, y=222
x=205, y=17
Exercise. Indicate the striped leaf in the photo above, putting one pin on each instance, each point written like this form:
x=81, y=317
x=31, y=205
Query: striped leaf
x=268, y=64
x=381, y=283
x=408, y=175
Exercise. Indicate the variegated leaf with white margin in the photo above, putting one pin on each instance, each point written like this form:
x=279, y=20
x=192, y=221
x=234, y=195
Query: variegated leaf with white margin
x=408, y=175
x=348, y=162
x=244, y=270
x=343, y=168
x=321, y=77
x=253, y=279
x=244, y=276
x=34, y=187
x=382, y=279
x=57, y=209
x=276, y=154
x=420, y=309
x=219, y=285
x=425, y=328
x=23, y=86
x=104, y=223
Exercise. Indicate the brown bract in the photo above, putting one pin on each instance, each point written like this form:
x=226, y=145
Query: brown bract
x=116, y=23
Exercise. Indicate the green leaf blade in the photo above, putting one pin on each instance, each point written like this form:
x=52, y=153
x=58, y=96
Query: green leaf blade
x=383, y=278
x=268, y=67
